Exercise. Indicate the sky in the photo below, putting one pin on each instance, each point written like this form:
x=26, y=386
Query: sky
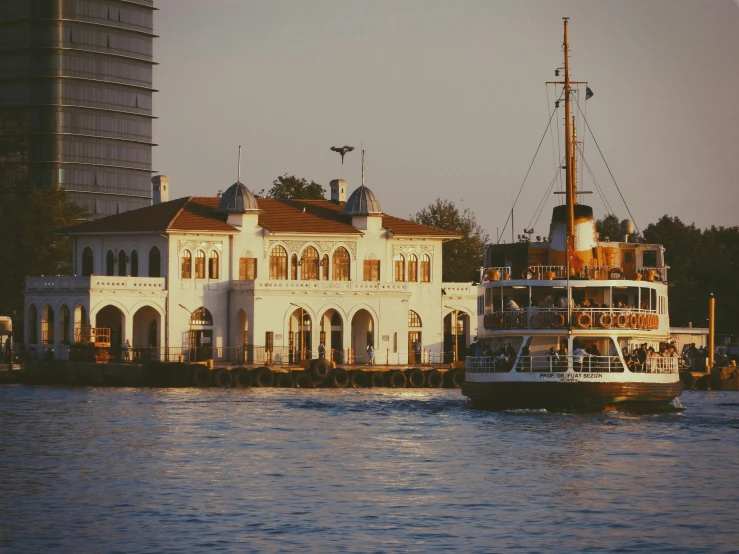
x=449, y=100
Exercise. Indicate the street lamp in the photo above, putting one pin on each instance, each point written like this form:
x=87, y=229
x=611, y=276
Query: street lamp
x=192, y=352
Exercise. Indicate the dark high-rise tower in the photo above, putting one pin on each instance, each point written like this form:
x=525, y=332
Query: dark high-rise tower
x=76, y=99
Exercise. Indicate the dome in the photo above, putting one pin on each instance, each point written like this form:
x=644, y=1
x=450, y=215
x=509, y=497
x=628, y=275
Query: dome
x=237, y=199
x=362, y=202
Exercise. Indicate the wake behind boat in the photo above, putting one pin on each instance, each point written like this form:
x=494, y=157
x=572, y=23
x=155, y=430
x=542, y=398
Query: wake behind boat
x=570, y=323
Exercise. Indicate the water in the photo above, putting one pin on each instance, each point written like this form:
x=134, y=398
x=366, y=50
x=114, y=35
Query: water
x=182, y=470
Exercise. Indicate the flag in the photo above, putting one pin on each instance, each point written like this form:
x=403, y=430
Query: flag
x=575, y=262
x=588, y=93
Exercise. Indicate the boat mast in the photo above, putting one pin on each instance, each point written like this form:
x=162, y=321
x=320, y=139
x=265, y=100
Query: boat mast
x=569, y=146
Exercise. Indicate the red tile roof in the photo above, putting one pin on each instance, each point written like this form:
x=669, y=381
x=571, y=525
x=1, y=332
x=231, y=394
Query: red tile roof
x=196, y=213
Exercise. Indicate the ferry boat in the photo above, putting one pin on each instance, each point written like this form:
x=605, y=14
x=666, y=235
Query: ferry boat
x=559, y=317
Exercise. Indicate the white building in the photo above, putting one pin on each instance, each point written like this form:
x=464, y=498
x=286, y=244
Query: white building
x=230, y=276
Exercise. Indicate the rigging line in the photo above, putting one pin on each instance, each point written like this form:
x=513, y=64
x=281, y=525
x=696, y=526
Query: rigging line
x=601, y=193
x=542, y=202
x=559, y=153
x=551, y=131
x=541, y=210
x=603, y=198
x=543, y=136
x=610, y=172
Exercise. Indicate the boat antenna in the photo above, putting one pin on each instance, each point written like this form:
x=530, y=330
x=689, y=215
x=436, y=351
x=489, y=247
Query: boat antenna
x=238, y=173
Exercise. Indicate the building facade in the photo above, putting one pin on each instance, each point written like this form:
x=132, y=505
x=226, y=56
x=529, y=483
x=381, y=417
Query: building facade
x=235, y=278
x=76, y=100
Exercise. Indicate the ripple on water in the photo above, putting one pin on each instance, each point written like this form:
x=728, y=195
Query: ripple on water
x=96, y=469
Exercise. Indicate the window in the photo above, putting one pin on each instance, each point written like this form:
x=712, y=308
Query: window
x=88, y=262
x=649, y=258
x=186, y=265
x=201, y=316
x=324, y=267
x=134, y=264
x=32, y=325
x=425, y=269
x=294, y=267
x=213, y=265
x=399, y=267
x=309, y=264
x=412, y=268
x=200, y=264
x=278, y=263
x=413, y=319
x=247, y=269
x=110, y=264
x=341, y=264
x=371, y=270
x=155, y=269
x=121, y=263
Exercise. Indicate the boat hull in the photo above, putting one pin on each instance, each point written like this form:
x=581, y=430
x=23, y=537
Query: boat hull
x=588, y=396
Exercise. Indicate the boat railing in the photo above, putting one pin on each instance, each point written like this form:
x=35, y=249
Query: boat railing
x=582, y=318
x=651, y=274
x=561, y=363
x=501, y=273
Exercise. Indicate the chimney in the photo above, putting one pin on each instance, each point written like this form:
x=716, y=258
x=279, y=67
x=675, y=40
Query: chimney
x=338, y=190
x=160, y=186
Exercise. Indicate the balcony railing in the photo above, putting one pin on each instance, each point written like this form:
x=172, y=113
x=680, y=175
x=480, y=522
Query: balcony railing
x=582, y=318
x=557, y=364
x=338, y=286
x=95, y=283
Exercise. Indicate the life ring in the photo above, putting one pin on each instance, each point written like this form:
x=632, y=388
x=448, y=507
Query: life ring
x=537, y=321
x=633, y=321
x=606, y=320
x=622, y=320
x=584, y=320
x=500, y=321
x=529, y=273
x=658, y=276
x=557, y=320
x=616, y=274
x=640, y=321
x=520, y=320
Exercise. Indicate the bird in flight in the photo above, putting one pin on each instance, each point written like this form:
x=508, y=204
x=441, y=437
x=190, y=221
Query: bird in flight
x=342, y=150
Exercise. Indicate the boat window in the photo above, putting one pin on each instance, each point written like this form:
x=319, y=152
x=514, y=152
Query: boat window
x=649, y=258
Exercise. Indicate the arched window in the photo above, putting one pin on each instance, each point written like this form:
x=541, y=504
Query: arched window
x=88, y=262
x=201, y=316
x=412, y=268
x=134, y=263
x=65, y=324
x=200, y=264
x=155, y=262
x=32, y=325
x=413, y=319
x=399, y=267
x=425, y=269
x=110, y=264
x=213, y=265
x=186, y=265
x=309, y=264
x=294, y=267
x=341, y=264
x=324, y=267
x=278, y=263
x=121, y=263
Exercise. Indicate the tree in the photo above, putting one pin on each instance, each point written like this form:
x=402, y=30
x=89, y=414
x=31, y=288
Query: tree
x=701, y=263
x=28, y=243
x=290, y=187
x=609, y=227
x=461, y=258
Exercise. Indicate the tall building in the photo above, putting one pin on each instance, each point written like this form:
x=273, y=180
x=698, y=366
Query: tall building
x=76, y=99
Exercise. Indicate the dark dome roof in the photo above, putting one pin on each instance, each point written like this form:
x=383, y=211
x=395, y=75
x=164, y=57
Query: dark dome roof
x=362, y=202
x=237, y=199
